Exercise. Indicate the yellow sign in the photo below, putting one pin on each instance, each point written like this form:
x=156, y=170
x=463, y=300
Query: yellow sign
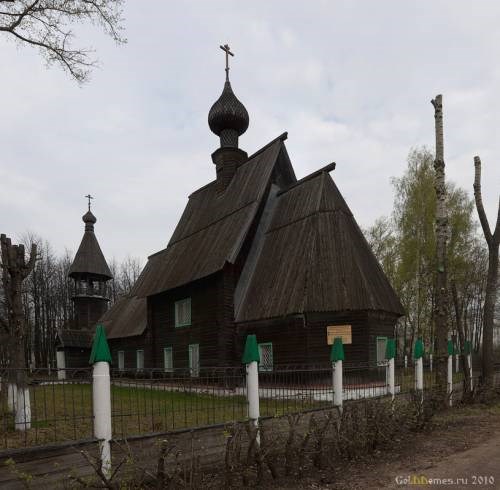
x=343, y=331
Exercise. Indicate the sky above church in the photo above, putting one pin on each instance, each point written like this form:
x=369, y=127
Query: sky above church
x=351, y=82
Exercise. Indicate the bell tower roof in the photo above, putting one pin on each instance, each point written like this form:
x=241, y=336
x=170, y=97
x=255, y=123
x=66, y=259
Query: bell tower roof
x=89, y=259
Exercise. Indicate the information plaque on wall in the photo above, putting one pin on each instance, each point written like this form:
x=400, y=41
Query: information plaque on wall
x=343, y=331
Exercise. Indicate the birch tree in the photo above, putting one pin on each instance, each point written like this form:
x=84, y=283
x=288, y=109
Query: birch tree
x=441, y=291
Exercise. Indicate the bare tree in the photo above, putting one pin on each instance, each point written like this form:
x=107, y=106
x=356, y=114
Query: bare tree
x=441, y=304
x=493, y=241
x=46, y=24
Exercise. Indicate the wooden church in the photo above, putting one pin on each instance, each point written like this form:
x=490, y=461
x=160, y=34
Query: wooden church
x=256, y=251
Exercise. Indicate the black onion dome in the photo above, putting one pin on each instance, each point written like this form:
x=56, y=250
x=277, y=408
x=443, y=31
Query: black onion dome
x=88, y=217
x=228, y=113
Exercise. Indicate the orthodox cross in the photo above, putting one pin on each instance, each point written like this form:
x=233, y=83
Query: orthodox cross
x=226, y=49
x=89, y=197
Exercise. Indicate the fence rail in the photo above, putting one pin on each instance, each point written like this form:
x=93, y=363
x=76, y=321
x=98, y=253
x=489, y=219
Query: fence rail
x=152, y=400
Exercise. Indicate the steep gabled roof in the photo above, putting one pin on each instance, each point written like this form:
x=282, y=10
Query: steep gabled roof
x=126, y=318
x=89, y=258
x=212, y=228
x=315, y=259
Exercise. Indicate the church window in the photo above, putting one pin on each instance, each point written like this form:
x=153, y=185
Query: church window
x=140, y=360
x=121, y=360
x=266, y=356
x=381, y=346
x=168, y=360
x=194, y=360
x=183, y=312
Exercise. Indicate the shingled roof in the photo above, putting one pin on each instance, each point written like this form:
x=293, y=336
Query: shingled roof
x=89, y=258
x=126, y=318
x=212, y=228
x=74, y=338
x=314, y=258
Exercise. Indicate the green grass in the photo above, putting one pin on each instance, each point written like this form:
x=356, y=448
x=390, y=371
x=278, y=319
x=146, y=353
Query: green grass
x=62, y=412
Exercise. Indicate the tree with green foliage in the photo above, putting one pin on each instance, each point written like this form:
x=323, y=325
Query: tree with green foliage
x=405, y=245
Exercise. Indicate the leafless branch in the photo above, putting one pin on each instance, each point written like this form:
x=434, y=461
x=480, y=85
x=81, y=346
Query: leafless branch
x=46, y=24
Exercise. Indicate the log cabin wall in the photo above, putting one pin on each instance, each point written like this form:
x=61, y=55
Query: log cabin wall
x=130, y=346
x=207, y=316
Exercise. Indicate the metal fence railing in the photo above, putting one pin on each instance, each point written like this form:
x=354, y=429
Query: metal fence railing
x=149, y=401
x=152, y=400
x=59, y=409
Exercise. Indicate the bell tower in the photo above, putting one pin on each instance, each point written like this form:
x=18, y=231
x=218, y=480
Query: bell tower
x=90, y=274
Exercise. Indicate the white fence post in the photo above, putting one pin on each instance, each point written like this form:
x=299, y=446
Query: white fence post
x=251, y=358
x=11, y=397
x=61, y=364
x=336, y=357
x=419, y=365
x=430, y=363
x=100, y=358
x=406, y=361
x=390, y=354
x=22, y=408
x=450, y=372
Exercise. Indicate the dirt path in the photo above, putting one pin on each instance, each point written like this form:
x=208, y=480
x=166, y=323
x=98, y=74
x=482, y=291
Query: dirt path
x=464, y=444
x=477, y=467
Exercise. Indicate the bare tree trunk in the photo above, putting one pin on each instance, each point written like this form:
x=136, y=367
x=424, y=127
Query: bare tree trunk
x=15, y=271
x=441, y=306
x=493, y=241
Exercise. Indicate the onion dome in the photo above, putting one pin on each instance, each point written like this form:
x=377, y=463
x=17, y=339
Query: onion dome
x=90, y=220
x=228, y=117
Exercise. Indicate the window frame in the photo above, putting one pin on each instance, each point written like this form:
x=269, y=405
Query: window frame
x=171, y=368
x=384, y=360
x=177, y=305
x=266, y=369
x=137, y=359
x=121, y=356
x=194, y=373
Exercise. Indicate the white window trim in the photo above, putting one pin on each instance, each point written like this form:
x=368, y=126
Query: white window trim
x=195, y=372
x=121, y=357
x=177, y=306
x=384, y=360
x=137, y=359
x=261, y=366
x=168, y=369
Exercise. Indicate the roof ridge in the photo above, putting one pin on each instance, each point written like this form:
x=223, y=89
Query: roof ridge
x=326, y=169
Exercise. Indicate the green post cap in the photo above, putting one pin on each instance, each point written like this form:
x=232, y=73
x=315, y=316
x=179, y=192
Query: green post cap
x=390, y=349
x=251, y=352
x=100, y=348
x=418, y=351
x=467, y=347
x=337, y=351
x=451, y=348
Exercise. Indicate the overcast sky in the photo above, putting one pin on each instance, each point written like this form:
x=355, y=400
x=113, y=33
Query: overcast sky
x=351, y=82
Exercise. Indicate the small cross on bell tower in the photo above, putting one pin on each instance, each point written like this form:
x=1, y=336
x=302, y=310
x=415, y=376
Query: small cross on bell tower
x=89, y=197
